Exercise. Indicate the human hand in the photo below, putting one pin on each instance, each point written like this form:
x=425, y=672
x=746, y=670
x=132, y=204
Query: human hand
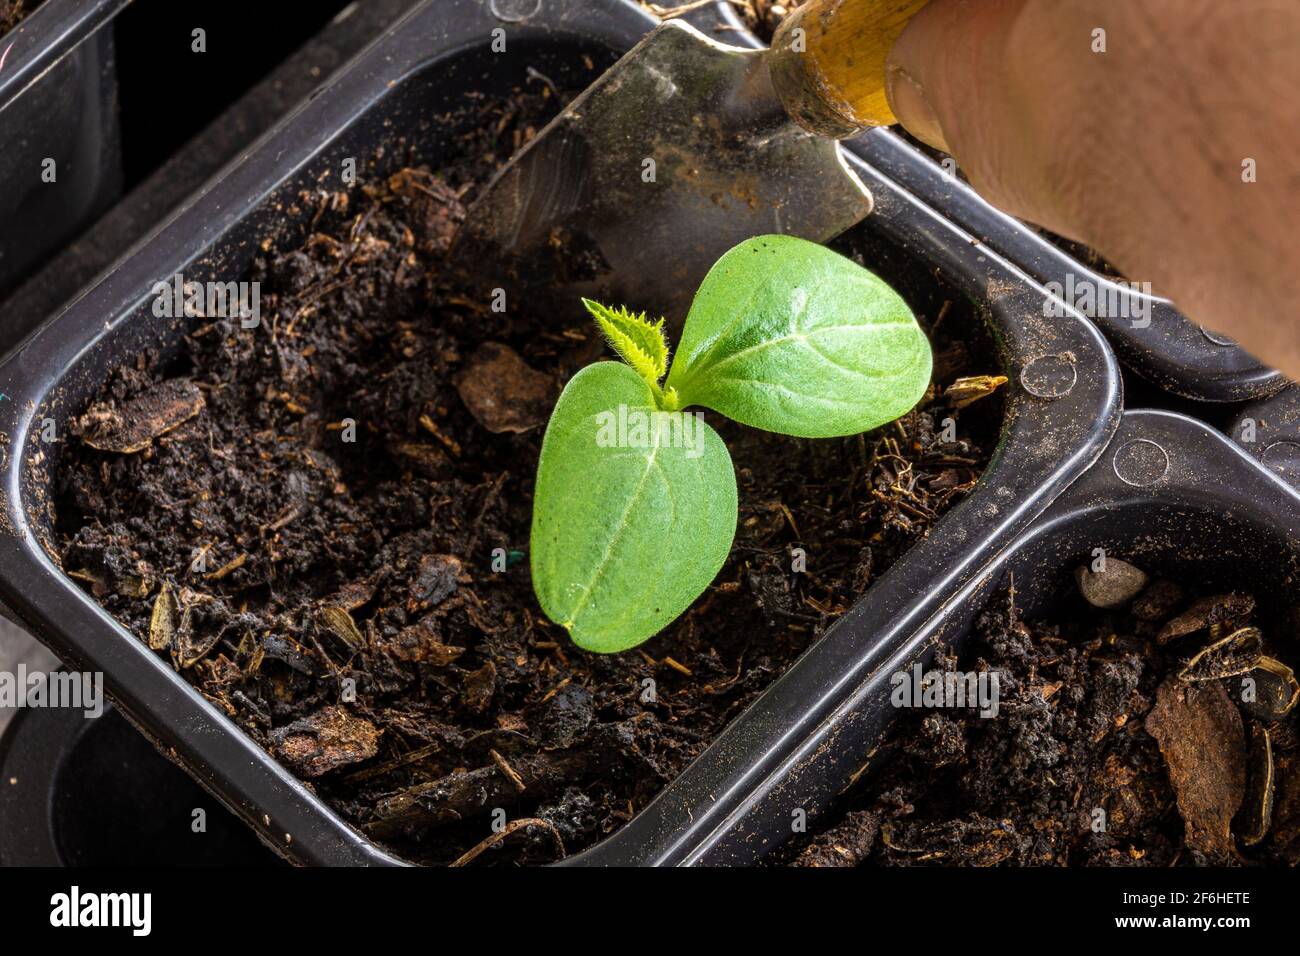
x=1144, y=152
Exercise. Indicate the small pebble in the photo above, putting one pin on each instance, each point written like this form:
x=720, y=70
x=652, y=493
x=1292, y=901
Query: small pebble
x=1120, y=583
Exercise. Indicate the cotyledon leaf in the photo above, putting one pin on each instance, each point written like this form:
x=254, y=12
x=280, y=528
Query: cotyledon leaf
x=634, y=513
x=788, y=336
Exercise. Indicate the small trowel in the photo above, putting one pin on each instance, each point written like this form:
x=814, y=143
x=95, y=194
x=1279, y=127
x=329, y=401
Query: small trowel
x=686, y=147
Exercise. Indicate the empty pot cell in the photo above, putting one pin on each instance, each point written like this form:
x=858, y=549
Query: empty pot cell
x=61, y=166
x=96, y=793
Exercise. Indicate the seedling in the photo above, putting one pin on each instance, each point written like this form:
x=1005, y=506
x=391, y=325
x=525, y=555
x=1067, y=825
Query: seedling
x=635, y=503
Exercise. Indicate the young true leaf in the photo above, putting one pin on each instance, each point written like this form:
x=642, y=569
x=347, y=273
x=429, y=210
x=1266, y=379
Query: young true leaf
x=787, y=336
x=634, y=510
x=640, y=342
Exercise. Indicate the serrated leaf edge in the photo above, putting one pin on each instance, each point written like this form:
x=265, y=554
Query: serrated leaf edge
x=642, y=344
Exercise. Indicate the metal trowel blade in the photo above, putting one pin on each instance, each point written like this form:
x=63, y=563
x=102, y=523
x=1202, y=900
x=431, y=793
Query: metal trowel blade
x=678, y=152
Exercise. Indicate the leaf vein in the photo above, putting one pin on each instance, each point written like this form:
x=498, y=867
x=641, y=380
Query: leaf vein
x=604, y=561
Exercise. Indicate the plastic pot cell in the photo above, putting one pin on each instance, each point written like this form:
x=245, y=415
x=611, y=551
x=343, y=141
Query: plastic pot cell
x=398, y=100
x=1147, y=331
x=1171, y=496
x=61, y=165
x=95, y=793
x=1269, y=430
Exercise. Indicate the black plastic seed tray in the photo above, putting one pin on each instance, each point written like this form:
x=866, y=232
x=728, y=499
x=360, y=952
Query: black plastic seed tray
x=1062, y=407
x=58, y=104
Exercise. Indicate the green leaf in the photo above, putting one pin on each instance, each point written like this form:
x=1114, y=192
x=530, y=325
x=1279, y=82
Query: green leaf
x=629, y=527
x=640, y=342
x=787, y=336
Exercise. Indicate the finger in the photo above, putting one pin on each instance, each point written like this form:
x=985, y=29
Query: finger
x=951, y=46
x=982, y=80
x=1126, y=126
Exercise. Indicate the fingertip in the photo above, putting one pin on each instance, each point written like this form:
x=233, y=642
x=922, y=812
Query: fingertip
x=908, y=102
x=947, y=82
x=911, y=67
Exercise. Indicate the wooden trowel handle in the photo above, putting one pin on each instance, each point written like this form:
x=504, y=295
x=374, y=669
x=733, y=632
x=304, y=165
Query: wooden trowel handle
x=828, y=62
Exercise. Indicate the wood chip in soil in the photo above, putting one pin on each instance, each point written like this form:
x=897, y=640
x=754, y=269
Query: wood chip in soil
x=1203, y=741
x=134, y=425
x=503, y=392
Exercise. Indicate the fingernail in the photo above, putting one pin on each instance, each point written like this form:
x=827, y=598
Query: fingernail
x=907, y=100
